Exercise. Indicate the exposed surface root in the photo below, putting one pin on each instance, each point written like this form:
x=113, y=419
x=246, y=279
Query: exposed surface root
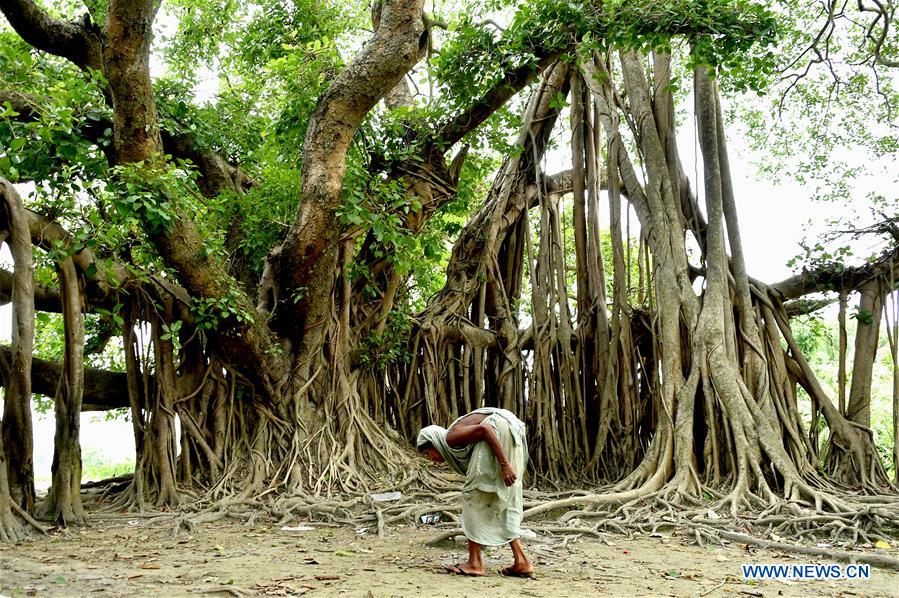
x=837, y=555
x=843, y=520
x=562, y=516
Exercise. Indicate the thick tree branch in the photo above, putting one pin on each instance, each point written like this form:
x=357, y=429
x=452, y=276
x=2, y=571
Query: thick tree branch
x=45, y=298
x=216, y=174
x=241, y=339
x=103, y=389
x=561, y=182
x=837, y=277
x=493, y=100
x=306, y=264
x=77, y=41
x=24, y=103
x=803, y=307
x=104, y=278
x=137, y=139
x=49, y=235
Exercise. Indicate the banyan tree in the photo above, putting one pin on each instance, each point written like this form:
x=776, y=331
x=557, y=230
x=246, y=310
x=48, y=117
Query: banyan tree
x=364, y=232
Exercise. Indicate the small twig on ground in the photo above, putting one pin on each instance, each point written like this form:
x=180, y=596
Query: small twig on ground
x=230, y=590
x=710, y=590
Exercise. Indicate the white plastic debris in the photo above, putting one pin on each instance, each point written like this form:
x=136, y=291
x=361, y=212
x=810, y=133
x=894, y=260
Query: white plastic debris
x=529, y=534
x=386, y=496
x=430, y=519
x=299, y=528
x=713, y=515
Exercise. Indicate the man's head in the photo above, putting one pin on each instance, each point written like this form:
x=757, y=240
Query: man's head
x=428, y=451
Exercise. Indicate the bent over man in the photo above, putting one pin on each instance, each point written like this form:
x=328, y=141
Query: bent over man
x=487, y=446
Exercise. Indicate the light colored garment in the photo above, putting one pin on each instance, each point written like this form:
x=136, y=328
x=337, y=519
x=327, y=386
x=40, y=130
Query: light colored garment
x=491, y=511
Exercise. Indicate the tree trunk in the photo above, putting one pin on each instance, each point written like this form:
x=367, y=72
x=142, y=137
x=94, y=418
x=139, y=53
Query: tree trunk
x=16, y=425
x=867, y=336
x=63, y=503
x=309, y=255
x=891, y=320
x=685, y=399
x=10, y=528
x=163, y=450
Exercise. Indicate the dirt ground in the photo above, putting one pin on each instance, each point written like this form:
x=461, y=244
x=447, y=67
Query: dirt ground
x=124, y=557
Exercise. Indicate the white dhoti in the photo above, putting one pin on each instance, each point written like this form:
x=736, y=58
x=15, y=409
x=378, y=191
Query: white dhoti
x=491, y=511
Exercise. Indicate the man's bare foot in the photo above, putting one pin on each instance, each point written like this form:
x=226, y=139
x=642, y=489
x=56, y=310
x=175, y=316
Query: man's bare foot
x=519, y=570
x=464, y=569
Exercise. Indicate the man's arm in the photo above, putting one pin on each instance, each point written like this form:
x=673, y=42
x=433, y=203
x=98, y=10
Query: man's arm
x=463, y=434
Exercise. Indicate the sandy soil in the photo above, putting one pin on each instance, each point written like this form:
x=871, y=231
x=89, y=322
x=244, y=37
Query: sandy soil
x=134, y=557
